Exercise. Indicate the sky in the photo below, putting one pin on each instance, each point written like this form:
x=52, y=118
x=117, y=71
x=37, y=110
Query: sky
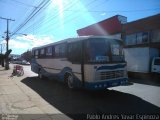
x=39, y=22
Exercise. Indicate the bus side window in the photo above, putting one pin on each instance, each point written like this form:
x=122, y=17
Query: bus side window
x=33, y=53
x=53, y=51
x=42, y=53
x=49, y=51
x=36, y=53
x=69, y=53
x=60, y=50
x=74, y=52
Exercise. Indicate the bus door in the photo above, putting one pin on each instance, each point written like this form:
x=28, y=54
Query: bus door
x=75, y=56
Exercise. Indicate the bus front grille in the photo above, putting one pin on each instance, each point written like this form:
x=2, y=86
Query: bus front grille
x=111, y=74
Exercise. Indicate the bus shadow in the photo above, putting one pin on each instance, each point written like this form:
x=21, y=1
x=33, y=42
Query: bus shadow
x=148, y=81
x=78, y=102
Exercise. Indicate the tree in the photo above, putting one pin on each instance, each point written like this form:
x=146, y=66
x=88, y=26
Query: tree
x=27, y=55
x=2, y=60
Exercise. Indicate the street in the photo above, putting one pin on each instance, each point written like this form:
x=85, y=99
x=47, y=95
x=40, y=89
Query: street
x=29, y=95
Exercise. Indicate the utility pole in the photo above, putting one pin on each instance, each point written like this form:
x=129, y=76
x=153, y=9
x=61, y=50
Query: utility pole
x=7, y=39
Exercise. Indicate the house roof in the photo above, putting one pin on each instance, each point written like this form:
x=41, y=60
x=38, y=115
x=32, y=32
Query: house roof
x=110, y=26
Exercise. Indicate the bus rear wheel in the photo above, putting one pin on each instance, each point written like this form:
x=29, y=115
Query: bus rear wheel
x=70, y=81
x=40, y=76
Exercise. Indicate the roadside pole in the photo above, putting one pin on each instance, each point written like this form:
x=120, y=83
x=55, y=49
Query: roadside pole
x=7, y=39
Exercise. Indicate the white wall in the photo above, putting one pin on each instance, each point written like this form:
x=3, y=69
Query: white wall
x=138, y=59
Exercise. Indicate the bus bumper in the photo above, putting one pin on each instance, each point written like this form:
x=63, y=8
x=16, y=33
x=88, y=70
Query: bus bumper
x=105, y=84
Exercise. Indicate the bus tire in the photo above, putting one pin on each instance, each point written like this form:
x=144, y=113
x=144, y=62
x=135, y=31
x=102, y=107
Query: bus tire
x=40, y=76
x=69, y=80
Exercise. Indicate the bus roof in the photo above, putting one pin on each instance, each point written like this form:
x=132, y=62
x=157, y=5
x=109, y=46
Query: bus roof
x=73, y=39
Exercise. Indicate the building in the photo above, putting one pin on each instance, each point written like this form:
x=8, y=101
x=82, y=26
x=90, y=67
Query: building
x=141, y=40
x=110, y=26
x=142, y=44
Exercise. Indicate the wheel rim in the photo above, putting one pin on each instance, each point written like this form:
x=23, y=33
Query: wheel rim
x=40, y=75
x=70, y=81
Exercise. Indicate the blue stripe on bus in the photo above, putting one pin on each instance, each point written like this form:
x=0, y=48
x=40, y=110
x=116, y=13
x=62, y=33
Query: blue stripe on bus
x=60, y=76
x=111, y=67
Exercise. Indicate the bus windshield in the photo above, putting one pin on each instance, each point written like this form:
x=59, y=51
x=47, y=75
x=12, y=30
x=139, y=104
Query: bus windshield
x=104, y=50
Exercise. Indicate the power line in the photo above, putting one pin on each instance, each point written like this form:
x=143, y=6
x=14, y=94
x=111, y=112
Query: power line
x=38, y=22
x=22, y=3
x=37, y=9
x=29, y=17
x=113, y=11
x=94, y=11
x=91, y=11
x=75, y=17
x=50, y=19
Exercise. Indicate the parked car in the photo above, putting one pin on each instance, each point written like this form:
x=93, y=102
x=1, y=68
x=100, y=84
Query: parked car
x=156, y=65
x=17, y=62
x=24, y=62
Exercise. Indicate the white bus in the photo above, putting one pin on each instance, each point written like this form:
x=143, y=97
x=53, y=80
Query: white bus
x=92, y=62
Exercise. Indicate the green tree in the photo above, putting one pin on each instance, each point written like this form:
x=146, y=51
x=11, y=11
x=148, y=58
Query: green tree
x=27, y=55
